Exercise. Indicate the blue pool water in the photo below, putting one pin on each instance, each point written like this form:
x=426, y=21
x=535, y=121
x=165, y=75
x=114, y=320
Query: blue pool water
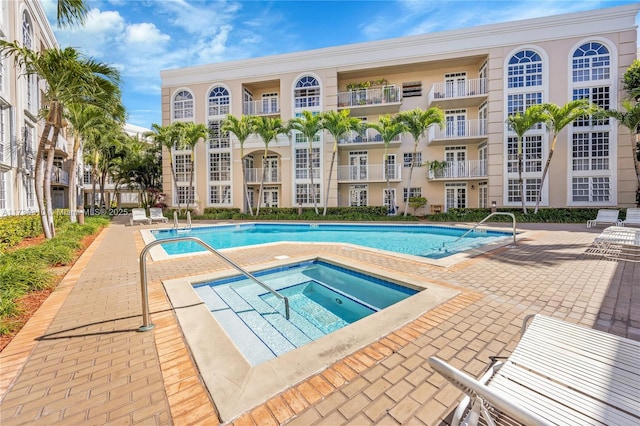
x=419, y=240
x=322, y=297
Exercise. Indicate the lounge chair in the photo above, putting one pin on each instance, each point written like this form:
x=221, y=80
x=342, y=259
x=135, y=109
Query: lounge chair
x=559, y=373
x=617, y=243
x=155, y=214
x=633, y=217
x=139, y=215
x=605, y=216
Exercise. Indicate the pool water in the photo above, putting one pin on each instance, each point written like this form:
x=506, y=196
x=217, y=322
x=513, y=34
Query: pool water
x=429, y=241
x=323, y=298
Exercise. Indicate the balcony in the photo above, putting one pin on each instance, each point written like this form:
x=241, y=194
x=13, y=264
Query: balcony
x=369, y=173
x=458, y=94
x=460, y=170
x=380, y=100
x=267, y=106
x=370, y=136
x=462, y=130
x=255, y=176
x=59, y=176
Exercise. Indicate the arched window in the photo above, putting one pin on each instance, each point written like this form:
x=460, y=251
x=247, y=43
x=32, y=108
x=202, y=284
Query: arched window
x=219, y=101
x=27, y=30
x=591, y=61
x=524, y=70
x=183, y=105
x=307, y=92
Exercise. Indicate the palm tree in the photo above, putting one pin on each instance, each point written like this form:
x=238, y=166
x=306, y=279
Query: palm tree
x=309, y=125
x=556, y=119
x=520, y=124
x=190, y=135
x=71, y=12
x=168, y=137
x=140, y=169
x=70, y=78
x=417, y=123
x=389, y=128
x=268, y=129
x=337, y=124
x=242, y=129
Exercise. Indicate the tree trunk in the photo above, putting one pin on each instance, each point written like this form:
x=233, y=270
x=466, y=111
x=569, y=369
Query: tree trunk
x=521, y=184
x=48, y=170
x=264, y=174
x=190, y=191
x=313, y=188
x=73, y=196
x=326, y=197
x=245, y=187
x=39, y=179
x=544, y=175
x=406, y=202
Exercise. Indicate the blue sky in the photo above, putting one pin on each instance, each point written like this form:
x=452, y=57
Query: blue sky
x=142, y=37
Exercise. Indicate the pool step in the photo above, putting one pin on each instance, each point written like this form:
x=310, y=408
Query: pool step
x=263, y=332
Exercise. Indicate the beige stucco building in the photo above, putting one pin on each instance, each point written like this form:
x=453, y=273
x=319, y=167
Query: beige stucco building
x=478, y=76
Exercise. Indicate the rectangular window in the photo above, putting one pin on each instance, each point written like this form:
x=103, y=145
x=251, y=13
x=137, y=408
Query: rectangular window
x=413, y=192
x=408, y=158
x=591, y=189
x=217, y=138
x=531, y=154
x=30, y=193
x=220, y=194
x=590, y=151
x=302, y=163
x=518, y=102
x=599, y=96
x=219, y=166
x=184, y=193
x=358, y=195
x=531, y=189
x=182, y=165
x=303, y=193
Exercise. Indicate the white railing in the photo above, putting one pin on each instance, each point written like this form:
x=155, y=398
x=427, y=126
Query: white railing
x=369, y=136
x=265, y=106
x=59, y=176
x=460, y=169
x=457, y=89
x=459, y=129
x=366, y=97
x=369, y=173
x=255, y=175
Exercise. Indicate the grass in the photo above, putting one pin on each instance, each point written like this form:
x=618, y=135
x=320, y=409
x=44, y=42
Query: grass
x=28, y=269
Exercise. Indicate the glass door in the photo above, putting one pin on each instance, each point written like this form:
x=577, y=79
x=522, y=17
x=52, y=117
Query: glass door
x=358, y=165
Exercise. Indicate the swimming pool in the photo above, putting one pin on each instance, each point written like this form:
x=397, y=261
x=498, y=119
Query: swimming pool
x=430, y=241
x=323, y=298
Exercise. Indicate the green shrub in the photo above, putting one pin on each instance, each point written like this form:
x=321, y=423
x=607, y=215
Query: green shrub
x=546, y=215
x=362, y=213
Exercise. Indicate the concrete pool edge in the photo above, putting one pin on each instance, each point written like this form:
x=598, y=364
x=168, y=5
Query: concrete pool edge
x=236, y=386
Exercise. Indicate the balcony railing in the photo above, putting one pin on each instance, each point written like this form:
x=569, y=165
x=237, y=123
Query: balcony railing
x=255, y=175
x=369, y=173
x=59, y=176
x=365, y=97
x=457, y=89
x=267, y=106
x=459, y=129
x=369, y=136
x=460, y=169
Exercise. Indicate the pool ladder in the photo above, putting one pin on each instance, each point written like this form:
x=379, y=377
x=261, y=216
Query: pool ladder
x=176, y=224
x=146, y=323
x=513, y=218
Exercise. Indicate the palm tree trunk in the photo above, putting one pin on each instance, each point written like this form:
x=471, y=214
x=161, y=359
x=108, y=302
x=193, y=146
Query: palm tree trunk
x=406, y=202
x=72, y=198
x=48, y=169
x=326, y=197
x=544, y=175
x=521, y=184
x=245, y=187
x=175, y=183
x=313, y=188
x=39, y=179
x=634, y=157
x=190, y=188
x=264, y=174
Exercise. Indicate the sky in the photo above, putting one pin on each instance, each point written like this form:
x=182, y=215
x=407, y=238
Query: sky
x=142, y=37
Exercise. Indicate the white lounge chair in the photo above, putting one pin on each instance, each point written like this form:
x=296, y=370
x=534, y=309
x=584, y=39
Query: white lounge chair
x=605, y=216
x=617, y=243
x=559, y=373
x=155, y=214
x=633, y=217
x=139, y=215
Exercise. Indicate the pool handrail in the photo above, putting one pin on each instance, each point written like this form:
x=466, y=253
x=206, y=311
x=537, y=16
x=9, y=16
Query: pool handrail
x=513, y=218
x=175, y=219
x=146, y=323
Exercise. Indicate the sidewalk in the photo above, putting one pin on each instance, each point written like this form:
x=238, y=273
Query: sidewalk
x=81, y=360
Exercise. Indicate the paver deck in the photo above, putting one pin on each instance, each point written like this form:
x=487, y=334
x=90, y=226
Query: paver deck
x=81, y=360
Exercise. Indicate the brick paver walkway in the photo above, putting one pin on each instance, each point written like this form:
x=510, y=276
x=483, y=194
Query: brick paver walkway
x=81, y=360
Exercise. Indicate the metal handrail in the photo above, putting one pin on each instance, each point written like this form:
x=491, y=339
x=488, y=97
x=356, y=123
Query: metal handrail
x=188, y=219
x=146, y=323
x=513, y=217
x=175, y=219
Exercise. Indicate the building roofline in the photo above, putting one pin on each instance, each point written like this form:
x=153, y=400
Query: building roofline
x=478, y=39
